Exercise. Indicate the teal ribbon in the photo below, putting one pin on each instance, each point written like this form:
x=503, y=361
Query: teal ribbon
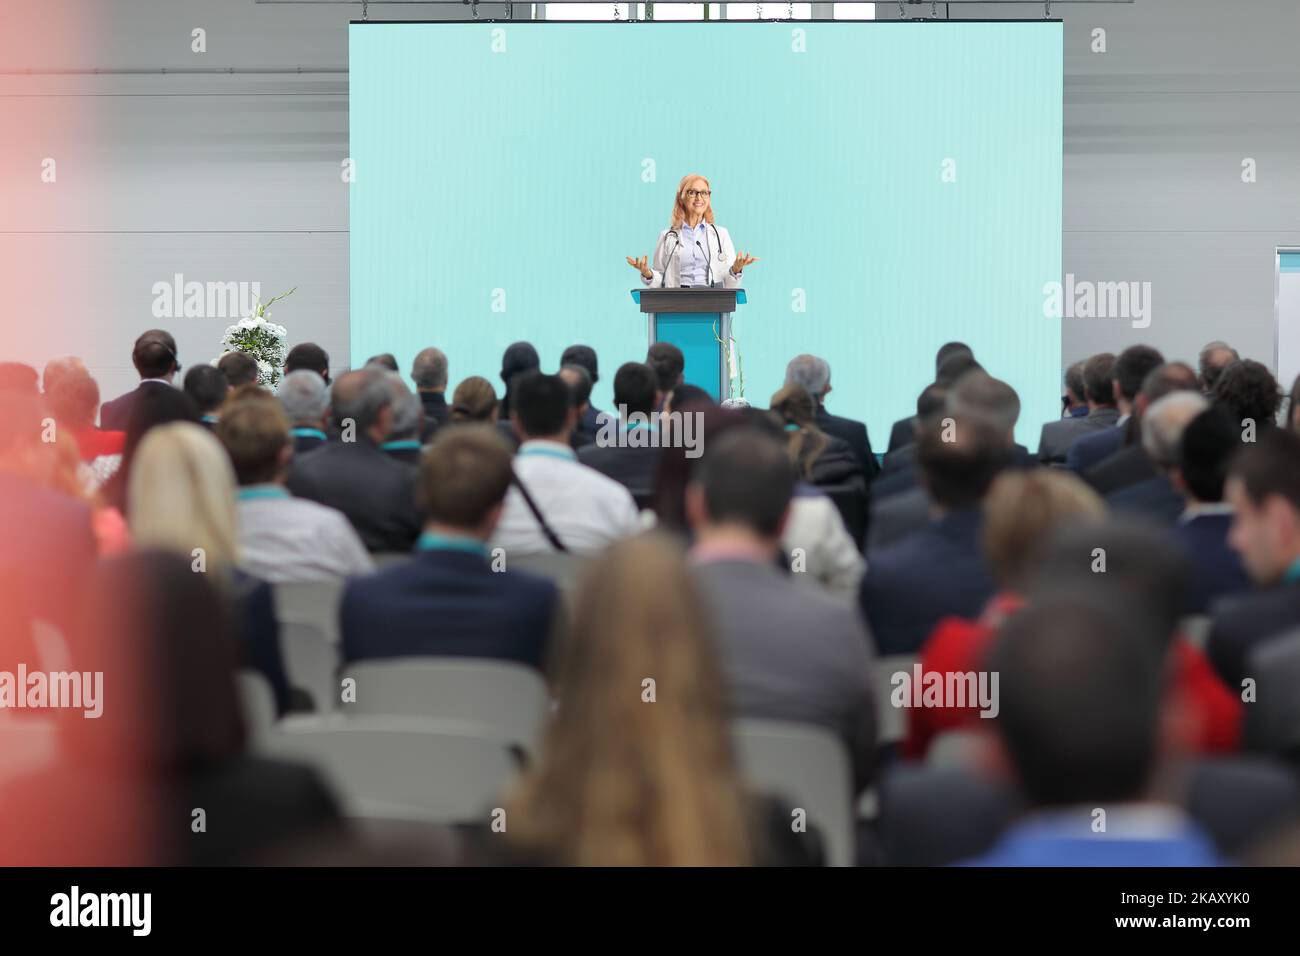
x=400, y=445
x=309, y=433
x=548, y=453
x=445, y=542
x=255, y=492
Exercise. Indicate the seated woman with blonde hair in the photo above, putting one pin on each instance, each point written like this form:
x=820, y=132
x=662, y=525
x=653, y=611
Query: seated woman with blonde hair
x=627, y=779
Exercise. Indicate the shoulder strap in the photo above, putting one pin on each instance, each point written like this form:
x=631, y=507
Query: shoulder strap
x=547, y=530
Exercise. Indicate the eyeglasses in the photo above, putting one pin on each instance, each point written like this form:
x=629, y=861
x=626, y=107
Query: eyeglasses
x=701, y=193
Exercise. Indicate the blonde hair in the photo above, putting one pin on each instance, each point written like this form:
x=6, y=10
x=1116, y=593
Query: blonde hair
x=679, y=201
x=793, y=405
x=1021, y=512
x=182, y=494
x=623, y=782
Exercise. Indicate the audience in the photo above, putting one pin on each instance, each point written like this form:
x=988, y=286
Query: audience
x=403, y=440
x=72, y=399
x=305, y=397
x=1131, y=465
x=309, y=357
x=630, y=455
x=1263, y=488
x=737, y=503
x=1074, y=403
x=353, y=475
x=938, y=570
x=813, y=374
x=592, y=418
x=453, y=598
x=1212, y=360
x=557, y=503
x=668, y=364
x=207, y=386
x=518, y=358
x=154, y=358
x=579, y=381
x=385, y=361
x=903, y=432
x=429, y=373
x=1156, y=499
x=154, y=406
x=1099, y=390
x=281, y=538
x=474, y=401
x=626, y=779
x=1131, y=370
x=1248, y=390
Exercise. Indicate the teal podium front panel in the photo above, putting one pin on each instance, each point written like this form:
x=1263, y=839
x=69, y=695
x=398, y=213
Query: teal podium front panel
x=692, y=332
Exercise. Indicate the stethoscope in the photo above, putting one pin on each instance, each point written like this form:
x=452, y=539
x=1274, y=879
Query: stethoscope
x=717, y=235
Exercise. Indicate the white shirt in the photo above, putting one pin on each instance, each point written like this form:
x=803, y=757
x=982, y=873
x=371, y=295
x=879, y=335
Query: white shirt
x=677, y=260
x=285, y=539
x=586, y=510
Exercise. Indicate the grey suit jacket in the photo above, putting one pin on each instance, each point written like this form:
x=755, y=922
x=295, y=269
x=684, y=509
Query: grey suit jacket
x=1058, y=436
x=792, y=653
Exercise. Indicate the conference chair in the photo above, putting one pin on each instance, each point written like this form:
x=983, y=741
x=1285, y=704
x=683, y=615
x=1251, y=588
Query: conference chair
x=311, y=603
x=311, y=663
x=433, y=771
x=956, y=749
x=564, y=569
x=256, y=701
x=891, y=721
x=508, y=699
x=808, y=768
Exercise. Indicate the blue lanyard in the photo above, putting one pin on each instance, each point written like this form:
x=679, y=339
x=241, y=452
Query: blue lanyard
x=548, y=453
x=262, y=491
x=1292, y=574
x=400, y=445
x=309, y=433
x=444, y=542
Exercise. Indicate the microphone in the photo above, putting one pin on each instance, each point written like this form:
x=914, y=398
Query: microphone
x=663, y=276
x=708, y=265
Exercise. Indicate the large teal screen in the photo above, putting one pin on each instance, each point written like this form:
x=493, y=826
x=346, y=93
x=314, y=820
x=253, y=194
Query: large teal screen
x=899, y=182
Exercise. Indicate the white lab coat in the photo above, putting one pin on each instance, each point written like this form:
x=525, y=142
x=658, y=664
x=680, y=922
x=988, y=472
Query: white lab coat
x=666, y=262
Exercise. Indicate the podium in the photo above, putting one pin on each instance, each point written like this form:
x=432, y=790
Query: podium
x=694, y=319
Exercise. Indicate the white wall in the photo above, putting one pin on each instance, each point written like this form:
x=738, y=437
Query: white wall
x=236, y=177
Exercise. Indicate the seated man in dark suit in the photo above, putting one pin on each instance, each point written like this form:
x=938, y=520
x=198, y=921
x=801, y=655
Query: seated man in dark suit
x=306, y=401
x=814, y=375
x=1098, y=385
x=939, y=570
x=154, y=358
x=450, y=599
x=898, y=470
x=1156, y=499
x=579, y=381
x=1130, y=464
x=353, y=475
x=208, y=386
x=896, y=515
x=1263, y=488
x=593, y=417
x=1131, y=368
x=429, y=373
x=903, y=432
x=789, y=652
x=1080, y=726
x=403, y=440
x=1202, y=530
x=628, y=451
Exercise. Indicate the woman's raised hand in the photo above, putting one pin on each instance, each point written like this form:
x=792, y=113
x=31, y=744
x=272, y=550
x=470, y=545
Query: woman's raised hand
x=642, y=266
x=742, y=260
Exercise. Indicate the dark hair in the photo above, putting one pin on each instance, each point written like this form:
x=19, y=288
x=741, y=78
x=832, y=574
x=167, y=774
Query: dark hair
x=309, y=356
x=1074, y=381
x=582, y=387
x=1142, y=565
x=518, y=358
x=1132, y=367
x=676, y=469
x=386, y=359
x=464, y=474
x=152, y=407
x=1207, y=446
x=1248, y=389
x=240, y=368
x=207, y=385
x=635, y=386
x=254, y=431
x=1080, y=696
x=1099, y=378
x=687, y=394
x=931, y=400
x=583, y=355
x=668, y=363
x=165, y=641
x=746, y=478
x=154, y=354
x=542, y=403
x=949, y=349
x=954, y=367
x=959, y=457
x=1268, y=466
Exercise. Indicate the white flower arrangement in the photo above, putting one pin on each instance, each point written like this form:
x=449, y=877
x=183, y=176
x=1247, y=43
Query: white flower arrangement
x=260, y=338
